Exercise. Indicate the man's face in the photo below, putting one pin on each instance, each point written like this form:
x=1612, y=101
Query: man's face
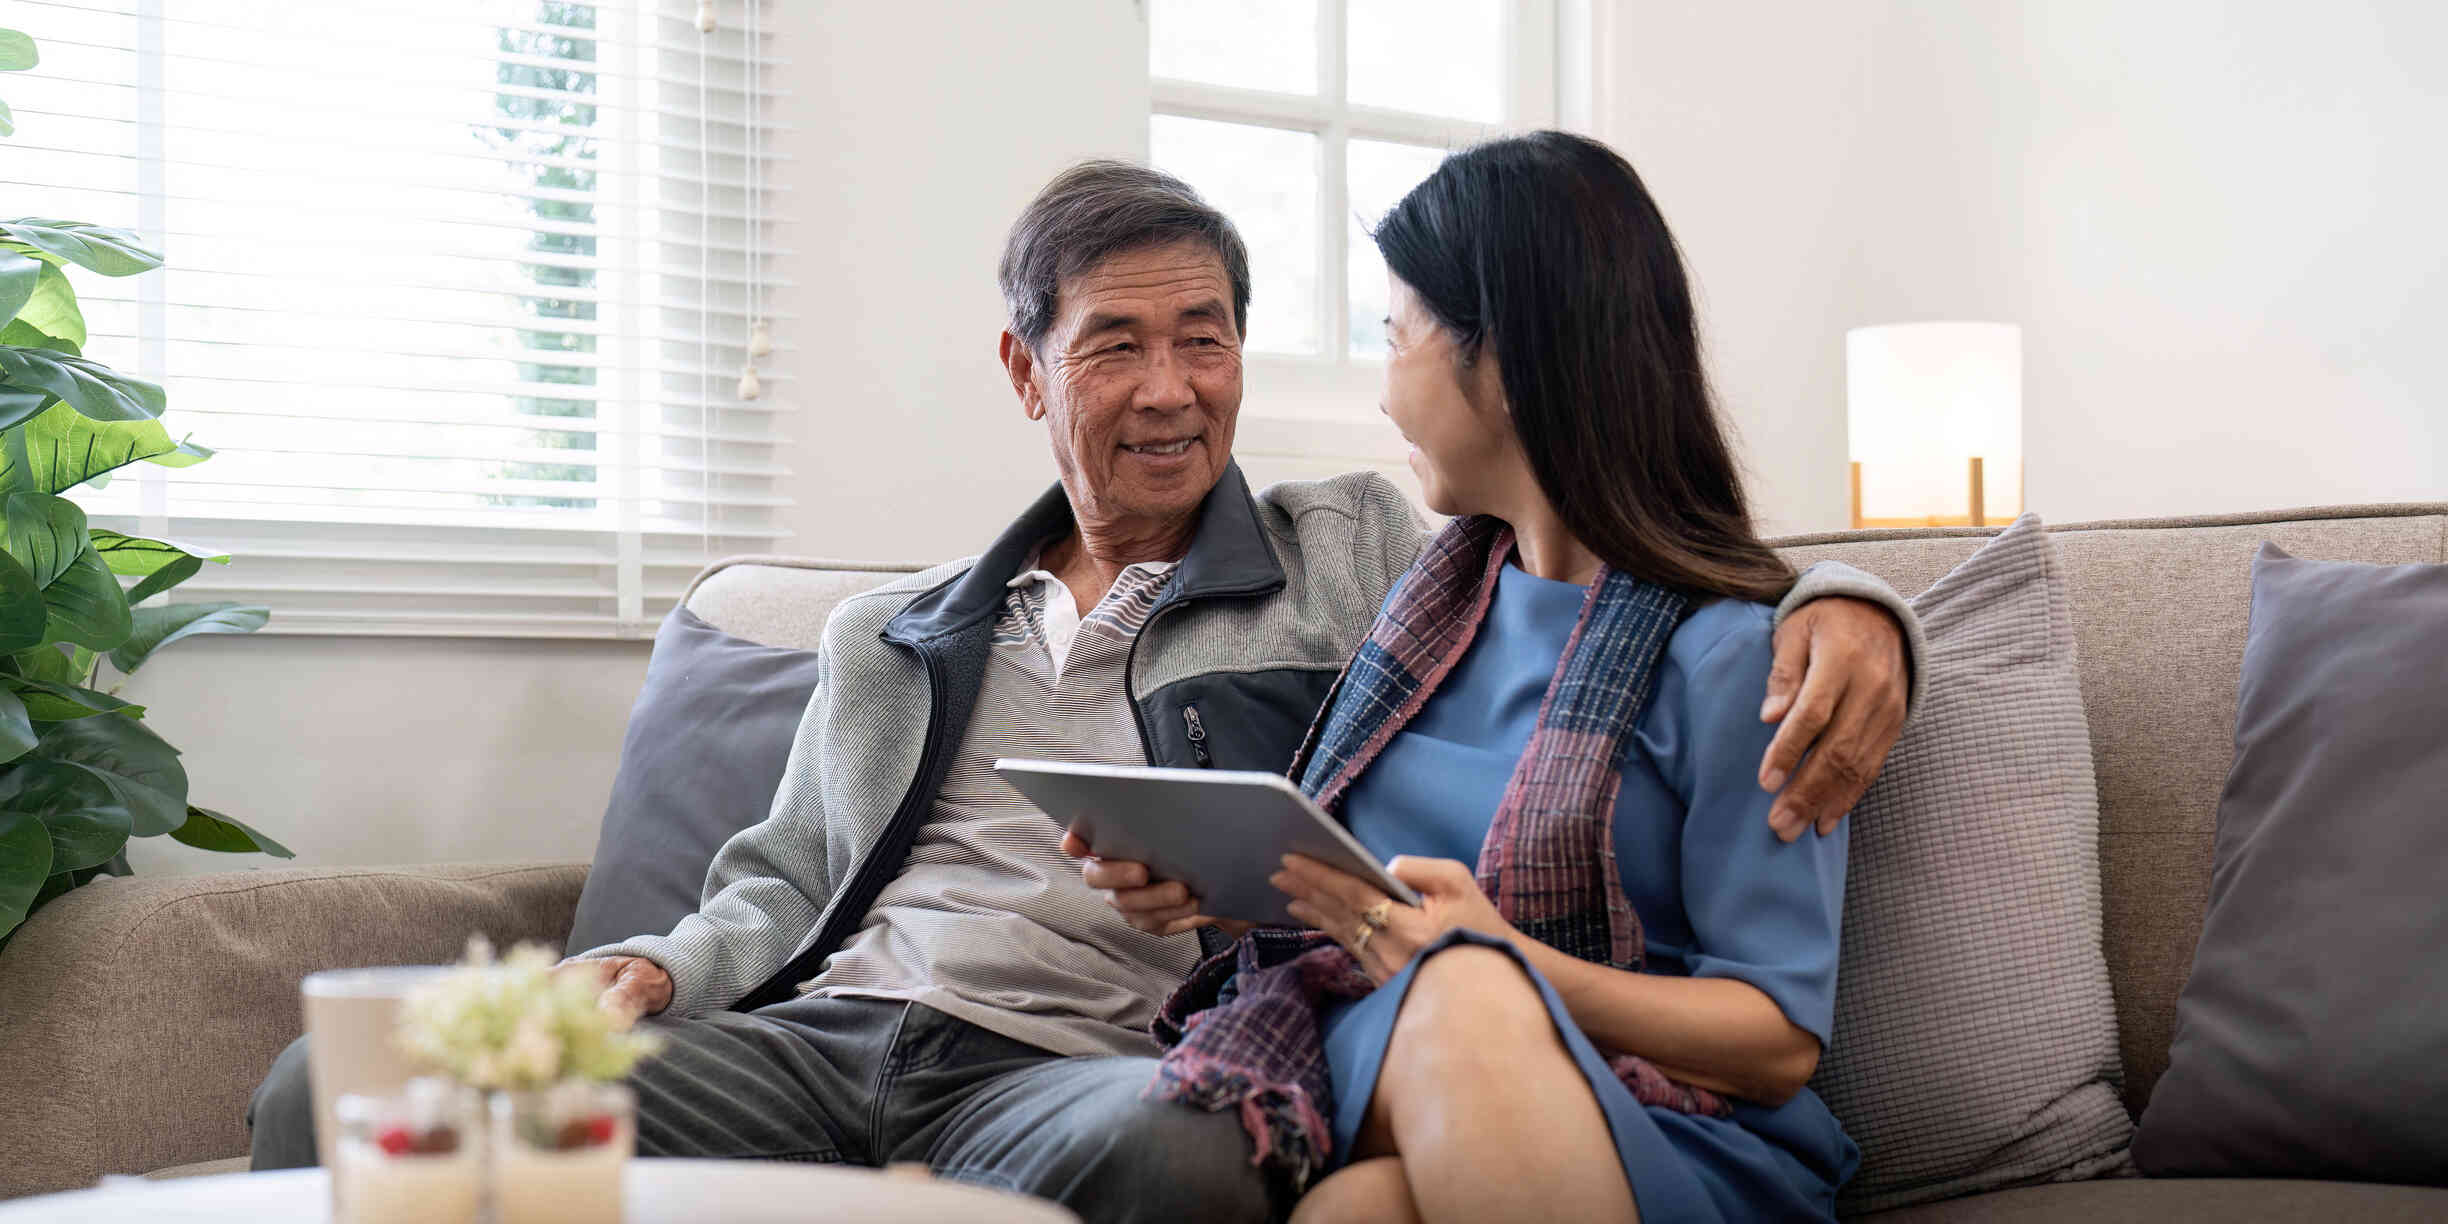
x=1139, y=382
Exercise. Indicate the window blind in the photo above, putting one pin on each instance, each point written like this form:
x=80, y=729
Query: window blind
x=462, y=293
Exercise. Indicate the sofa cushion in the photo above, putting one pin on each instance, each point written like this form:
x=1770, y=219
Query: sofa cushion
x=2138, y=1200
x=2159, y=611
x=2312, y=1038
x=1975, y=1040
x=707, y=740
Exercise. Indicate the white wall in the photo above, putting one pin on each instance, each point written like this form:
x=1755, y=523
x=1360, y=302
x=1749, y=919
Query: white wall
x=2216, y=223
x=392, y=750
x=925, y=127
x=922, y=127
x=1764, y=134
x=2225, y=245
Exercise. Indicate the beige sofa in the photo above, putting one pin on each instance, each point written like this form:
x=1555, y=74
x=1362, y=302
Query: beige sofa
x=136, y=1015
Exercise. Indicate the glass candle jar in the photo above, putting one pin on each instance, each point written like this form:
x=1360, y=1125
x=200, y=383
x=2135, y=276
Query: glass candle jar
x=414, y=1157
x=558, y=1153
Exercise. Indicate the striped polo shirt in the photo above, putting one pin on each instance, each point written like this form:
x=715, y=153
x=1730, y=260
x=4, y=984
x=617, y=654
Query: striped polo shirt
x=988, y=920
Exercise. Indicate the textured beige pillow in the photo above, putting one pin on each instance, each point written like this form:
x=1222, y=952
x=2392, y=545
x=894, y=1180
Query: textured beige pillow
x=1975, y=1043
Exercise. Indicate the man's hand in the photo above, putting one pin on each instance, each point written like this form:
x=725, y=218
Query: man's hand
x=1159, y=908
x=1839, y=684
x=633, y=985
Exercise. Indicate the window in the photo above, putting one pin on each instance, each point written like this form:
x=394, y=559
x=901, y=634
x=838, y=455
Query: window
x=1304, y=120
x=461, y=292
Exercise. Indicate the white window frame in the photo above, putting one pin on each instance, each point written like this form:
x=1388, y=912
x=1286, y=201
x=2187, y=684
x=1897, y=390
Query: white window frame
x=1321, y=407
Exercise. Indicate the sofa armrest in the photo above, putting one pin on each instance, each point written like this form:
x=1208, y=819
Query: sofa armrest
x=137, y=1015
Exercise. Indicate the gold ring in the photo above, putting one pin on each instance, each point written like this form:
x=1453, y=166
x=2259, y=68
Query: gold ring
x=1360, y=941
x=1376, y=916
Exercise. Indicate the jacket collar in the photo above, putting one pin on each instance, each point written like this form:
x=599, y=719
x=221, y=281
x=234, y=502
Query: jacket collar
x=1228, y=556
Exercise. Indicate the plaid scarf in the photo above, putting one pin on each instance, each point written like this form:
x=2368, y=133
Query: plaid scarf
x=1245, y=1030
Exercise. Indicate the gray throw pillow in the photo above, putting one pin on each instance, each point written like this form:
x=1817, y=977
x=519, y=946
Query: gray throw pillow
x=2312, y=1037
x=706, y=744
x=1975, y=1044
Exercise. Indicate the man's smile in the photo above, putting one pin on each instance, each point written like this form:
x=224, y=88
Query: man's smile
x=1160, y=449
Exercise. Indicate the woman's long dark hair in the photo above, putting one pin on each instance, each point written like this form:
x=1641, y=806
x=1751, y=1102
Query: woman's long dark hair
x=1548, y=246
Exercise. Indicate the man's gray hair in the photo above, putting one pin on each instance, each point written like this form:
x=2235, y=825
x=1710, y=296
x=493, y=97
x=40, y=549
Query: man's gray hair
x=1099, y=209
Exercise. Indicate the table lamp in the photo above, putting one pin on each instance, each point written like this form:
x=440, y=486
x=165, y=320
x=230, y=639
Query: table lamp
x=1934, y=423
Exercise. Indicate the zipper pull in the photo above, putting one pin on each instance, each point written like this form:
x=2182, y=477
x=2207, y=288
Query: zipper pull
x=1198, y=737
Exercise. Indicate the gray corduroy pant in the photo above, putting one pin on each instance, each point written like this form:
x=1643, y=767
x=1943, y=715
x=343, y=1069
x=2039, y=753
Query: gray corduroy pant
x=870, y=1082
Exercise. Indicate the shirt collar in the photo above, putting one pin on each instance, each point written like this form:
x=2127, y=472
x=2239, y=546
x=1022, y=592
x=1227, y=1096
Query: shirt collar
x=1033, y=571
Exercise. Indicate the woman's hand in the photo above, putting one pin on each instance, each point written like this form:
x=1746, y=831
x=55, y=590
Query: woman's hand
x=1158, y=907
x=1344, y=905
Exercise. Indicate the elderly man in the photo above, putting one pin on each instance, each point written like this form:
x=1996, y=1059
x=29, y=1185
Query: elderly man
x=900, y=963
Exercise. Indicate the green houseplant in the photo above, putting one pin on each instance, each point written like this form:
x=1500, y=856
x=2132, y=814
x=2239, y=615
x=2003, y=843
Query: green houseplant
x=80, y=773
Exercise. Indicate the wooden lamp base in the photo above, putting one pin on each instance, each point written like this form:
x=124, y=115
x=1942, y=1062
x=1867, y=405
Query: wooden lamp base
x=1977, y=518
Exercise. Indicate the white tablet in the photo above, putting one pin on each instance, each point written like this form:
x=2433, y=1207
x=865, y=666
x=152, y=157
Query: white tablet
x=1222, y=832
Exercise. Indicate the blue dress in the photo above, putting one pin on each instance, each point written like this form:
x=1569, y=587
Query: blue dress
x=1718, y=895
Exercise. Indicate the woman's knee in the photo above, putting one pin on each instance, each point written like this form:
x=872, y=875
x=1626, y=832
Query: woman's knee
x=1374, y=1190
x=1471, y=1011
x=1471, y=994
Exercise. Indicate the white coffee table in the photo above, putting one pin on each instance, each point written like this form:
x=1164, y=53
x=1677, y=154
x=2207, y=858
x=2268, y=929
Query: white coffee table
x=659, y=1192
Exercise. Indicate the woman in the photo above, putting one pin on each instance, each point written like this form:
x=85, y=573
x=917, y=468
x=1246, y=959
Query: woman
x=1620, y=979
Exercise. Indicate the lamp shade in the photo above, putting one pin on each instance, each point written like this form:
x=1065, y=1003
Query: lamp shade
x=1922, y=400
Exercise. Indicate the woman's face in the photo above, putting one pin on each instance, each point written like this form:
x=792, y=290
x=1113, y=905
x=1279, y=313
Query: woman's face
x=1463, y=448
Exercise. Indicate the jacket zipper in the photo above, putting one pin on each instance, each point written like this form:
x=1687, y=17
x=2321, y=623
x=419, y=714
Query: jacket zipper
x=1130, y=658
x=1198, y=736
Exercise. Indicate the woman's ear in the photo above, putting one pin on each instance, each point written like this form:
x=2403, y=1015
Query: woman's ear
x=1483, y=382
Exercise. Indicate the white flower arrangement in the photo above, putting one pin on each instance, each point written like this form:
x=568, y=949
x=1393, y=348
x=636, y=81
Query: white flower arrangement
x=515, y=1025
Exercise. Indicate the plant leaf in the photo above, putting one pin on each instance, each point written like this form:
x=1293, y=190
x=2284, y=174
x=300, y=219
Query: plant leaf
x=21, y=404
x=49, y=664
x=136, y=556
x=23, y=617
x=19, y=273
x=44, y=533
x=8, y=122
x=25, y=861
x=46, y=701
x=51, y=311
x=62, y=448
x=17, y=736
x=25, y=335
x=159, y=626
x=163, y=579
x=90, y=387
x=17, y=51
x=111, y=252
x=87, y=820
x=142, y=768
x=207, y=829
x=87, y=605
